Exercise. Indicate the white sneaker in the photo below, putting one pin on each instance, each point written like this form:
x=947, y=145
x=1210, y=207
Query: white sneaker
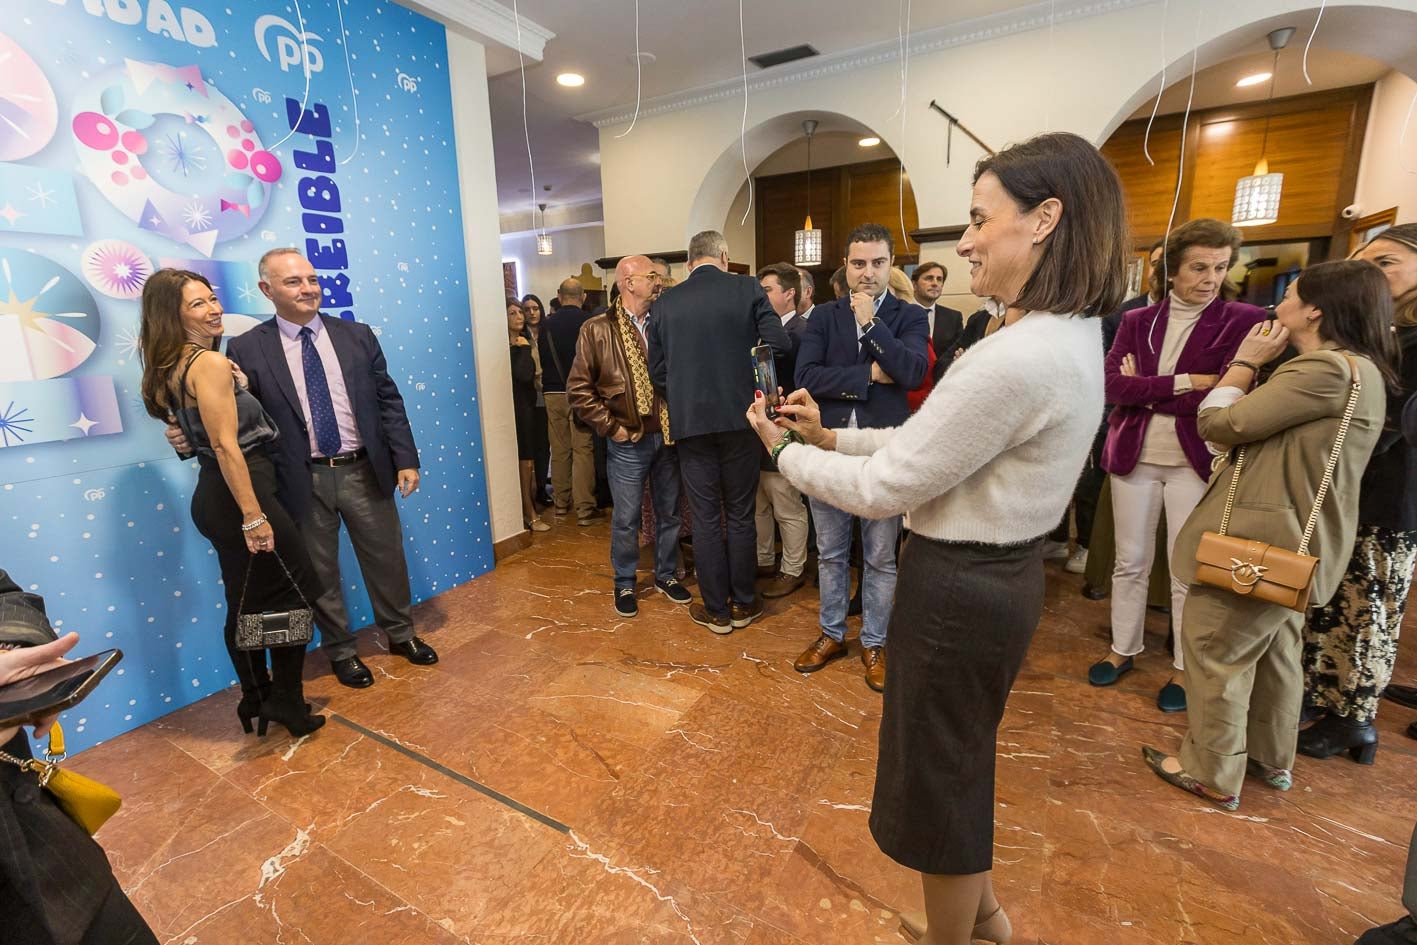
x=537, y=525
x=1054, y=550
x=1077, y=564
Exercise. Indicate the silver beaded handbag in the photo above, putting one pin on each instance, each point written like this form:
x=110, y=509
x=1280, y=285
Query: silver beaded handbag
x=273, y=627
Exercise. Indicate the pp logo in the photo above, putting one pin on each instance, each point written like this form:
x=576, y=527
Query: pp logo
x=94, y=495
x=420, y=386
x=288, y=46
x=407, y=83
x=403, y=267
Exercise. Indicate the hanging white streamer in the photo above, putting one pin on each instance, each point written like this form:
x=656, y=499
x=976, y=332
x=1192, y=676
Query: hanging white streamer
x=1180, y=171
x=743, y=130
x=1146, y=140
x=526, y=128
x=1312, y=33
x=305, y=62
x=639, y=67
x=1402, y=141
x=353, y=92
x=904, y=113
x=900, y=53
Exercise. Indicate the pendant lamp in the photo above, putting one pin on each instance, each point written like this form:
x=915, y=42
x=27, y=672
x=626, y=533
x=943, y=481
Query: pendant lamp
x=543, y=239
x=807, y=242
x=1257, y=196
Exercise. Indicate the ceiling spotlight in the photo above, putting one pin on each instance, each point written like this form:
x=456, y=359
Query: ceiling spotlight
x=570, y=80
x=1255, y=79
x=870, y=142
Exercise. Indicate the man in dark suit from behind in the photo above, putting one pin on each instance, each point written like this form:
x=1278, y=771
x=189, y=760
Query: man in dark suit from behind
x=700, y=346
x=572, y=443
x=946, y=324
x=345, y=447
x=859, y=357
x=806, y=299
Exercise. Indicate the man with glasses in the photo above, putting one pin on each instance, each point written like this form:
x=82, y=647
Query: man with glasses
x=609, y=389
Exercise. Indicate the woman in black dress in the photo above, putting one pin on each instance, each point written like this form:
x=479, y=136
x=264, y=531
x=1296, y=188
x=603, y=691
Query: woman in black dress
x=524, y=409
x=535, y=314
x=264, y=564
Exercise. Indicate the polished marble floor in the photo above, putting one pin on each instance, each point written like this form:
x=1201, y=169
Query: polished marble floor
x=566, y=776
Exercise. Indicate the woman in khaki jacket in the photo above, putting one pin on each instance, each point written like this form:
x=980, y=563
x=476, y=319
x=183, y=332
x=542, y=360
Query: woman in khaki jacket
x=1244, y=674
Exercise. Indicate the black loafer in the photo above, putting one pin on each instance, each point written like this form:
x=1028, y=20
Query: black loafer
x=415, y=651
x=352, y=673
x=1405, y=696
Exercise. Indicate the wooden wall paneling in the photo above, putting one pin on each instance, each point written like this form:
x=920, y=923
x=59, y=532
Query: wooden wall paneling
x=874, y=197
x=1150, y=189
x=781, y=206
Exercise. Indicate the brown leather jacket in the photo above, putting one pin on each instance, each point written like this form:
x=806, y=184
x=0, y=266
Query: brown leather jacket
x=599, y=386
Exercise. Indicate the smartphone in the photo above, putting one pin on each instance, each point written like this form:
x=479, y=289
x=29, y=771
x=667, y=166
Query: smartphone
x=26, y=701
x=765, y=378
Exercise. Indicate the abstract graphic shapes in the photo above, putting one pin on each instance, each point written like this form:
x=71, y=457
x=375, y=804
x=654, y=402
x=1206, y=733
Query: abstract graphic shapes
x=38, y=200
x=165, y=148
x=117, y=269
x=29, y=115
x=64, y=408
x=49, y=322
x=235, y=285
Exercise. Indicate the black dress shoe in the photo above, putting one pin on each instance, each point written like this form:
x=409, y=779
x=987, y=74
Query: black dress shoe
x=1403, y=695
x=1093, y=593
x=415, y=651
x=1335, y=733
x=1401, y=932
x=352, y=673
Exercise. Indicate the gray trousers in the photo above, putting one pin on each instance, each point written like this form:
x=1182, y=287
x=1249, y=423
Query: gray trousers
x=351, y=494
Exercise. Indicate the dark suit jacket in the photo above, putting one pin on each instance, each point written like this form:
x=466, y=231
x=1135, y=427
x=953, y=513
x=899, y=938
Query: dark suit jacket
x=378, y=406
x=701, y=336
x=836, y=370
x=949, y=328
x=558, y=334
x=1111, y=323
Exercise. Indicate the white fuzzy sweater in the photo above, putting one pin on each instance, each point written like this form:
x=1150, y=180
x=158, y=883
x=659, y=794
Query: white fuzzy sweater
x=994, y=453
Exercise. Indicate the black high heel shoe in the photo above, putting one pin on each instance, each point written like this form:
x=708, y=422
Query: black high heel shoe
x=292, y=713
x=1336, y=733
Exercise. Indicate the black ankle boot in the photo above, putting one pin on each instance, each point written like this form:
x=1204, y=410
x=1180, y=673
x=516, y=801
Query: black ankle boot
x=285, y=701
x=1335, y=733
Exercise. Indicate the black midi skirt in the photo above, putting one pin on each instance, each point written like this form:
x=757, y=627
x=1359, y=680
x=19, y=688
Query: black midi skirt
x=963, y=618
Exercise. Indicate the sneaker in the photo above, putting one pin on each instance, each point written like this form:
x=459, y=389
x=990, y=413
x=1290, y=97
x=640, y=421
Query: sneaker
x=700, y=616
x=673, y=590
x=625, y=603
x=537, y=525
x=1054, y=550
x=742, y=616
x=1077, y=564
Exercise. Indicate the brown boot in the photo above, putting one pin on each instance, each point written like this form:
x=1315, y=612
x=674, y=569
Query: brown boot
x=742, y=615
x=700, y=615
x=819, y=654
x=874, y=659
x=782, y=585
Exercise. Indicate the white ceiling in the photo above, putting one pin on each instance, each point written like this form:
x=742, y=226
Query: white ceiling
x=693, y=46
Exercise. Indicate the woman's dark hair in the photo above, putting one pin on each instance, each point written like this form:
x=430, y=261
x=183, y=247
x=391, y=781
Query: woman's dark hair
x=1404, y=312
x=533, y=298
x=1083, y=269
x=161, y=336
x=1203, y=232
x=1356, y=303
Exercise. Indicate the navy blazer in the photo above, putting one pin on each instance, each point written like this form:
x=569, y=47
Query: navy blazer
x=701, y=338
x=373, y=395
x=836, y=369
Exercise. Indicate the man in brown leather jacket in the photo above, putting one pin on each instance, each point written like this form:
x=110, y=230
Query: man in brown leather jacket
x=609, y=389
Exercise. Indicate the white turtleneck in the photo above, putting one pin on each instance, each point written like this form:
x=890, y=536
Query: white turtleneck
x=1161, y=446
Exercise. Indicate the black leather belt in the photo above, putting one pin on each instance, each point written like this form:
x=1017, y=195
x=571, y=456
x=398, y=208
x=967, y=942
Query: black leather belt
x=340, y=459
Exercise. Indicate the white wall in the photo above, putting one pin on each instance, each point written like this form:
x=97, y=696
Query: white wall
x=1383, y=182
x=1086, y=76
x=472, y=129
x=540, y=275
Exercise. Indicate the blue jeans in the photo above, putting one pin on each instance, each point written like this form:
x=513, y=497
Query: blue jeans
x=629, y=466
x=878, y=544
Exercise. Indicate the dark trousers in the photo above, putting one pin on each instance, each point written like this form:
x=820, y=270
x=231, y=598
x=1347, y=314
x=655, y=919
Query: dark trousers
x=350, y=494
x=1085, y=495
x=720, y=473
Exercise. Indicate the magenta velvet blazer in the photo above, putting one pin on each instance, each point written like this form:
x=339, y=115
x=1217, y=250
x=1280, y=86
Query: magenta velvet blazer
x=1213, y=342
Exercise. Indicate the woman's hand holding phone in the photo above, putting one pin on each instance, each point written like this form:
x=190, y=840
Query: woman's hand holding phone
x=24, y=662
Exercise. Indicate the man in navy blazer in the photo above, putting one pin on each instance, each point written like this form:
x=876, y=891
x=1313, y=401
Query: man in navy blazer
x=859, y=357
x=345, y=446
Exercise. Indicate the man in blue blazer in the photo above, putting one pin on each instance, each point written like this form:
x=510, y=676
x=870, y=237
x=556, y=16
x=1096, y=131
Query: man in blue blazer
x=859, y=357
x=345, y=446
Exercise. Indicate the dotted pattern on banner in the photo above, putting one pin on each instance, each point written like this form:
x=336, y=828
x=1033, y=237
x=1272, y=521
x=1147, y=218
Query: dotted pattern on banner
x=101, y=524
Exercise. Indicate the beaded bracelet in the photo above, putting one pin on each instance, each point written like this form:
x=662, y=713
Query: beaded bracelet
x=1245, y=364
x=788, y=437
x=252, y=526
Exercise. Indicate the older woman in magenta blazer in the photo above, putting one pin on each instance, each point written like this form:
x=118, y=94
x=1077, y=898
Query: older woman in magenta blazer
x=1165, y=359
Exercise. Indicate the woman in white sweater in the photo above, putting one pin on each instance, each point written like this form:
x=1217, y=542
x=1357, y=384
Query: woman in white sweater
x=985, y=470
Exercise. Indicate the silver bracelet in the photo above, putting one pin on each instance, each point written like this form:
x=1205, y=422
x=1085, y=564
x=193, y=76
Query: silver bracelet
x=252, y=526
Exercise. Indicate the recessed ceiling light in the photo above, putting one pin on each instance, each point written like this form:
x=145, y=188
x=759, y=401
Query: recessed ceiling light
x=570, y=80
x=1255, y=79
x=870, y=142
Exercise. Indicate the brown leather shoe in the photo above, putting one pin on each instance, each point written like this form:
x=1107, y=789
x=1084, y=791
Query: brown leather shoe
x=782, y=585
x=699, y=615
x=874, y=659
x=744, y=615
x=819, y=654
x=767, y=570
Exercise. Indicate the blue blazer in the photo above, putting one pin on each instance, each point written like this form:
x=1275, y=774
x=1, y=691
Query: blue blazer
x=836, y=369
x=375, y=398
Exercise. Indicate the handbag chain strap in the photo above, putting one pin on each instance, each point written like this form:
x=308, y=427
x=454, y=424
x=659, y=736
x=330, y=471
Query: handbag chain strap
x=246, y=581
x=1354, y=390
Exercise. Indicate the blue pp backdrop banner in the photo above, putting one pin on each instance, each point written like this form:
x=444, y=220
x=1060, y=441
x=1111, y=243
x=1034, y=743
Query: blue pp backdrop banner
x=137, y=134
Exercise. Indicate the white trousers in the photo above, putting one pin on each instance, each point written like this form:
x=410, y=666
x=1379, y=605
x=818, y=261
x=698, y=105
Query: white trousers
x=779, y=501
x=1137, y=501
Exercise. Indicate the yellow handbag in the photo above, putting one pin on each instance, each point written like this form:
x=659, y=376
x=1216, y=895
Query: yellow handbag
x=87, y=802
